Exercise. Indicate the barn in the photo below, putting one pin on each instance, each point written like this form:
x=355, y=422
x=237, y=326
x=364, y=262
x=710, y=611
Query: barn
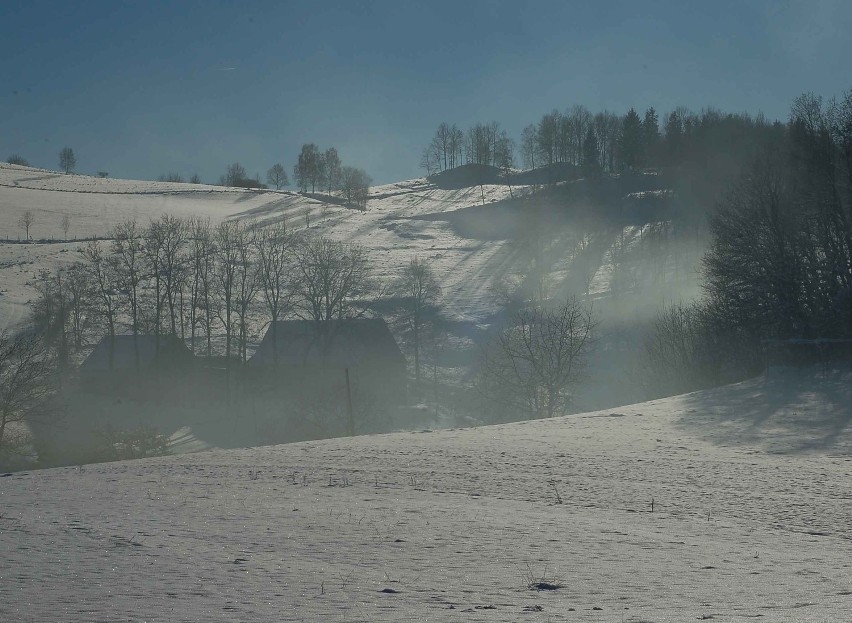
x=358, y=361
x=124, y=363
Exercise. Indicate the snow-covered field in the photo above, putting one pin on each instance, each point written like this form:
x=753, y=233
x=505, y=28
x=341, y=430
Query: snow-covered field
x=750, y=487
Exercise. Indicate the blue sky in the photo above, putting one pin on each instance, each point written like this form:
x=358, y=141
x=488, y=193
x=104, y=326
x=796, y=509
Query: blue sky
x=142, y=88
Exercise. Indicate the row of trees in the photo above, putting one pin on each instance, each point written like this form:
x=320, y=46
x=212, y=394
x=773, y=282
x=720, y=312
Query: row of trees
x=575, y=137
x=606, y=141
x=17, y=159
x=483, y=143
x=315, y=170
x=324, y=171
x=173, y=176
x=183, y=277
x=236, y=175
x=197, y=281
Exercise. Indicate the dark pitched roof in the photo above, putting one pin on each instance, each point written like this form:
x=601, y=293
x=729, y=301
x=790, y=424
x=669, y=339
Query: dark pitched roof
x=124, y=356
x=355, y=341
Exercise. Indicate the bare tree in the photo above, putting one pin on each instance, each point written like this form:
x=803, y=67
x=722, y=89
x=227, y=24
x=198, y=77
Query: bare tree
x=171, y=176
x=247, y=283
x=226, y=238
x=529, y=147
x=128, y=251
x=25, y=381
x=579, y=120
x=480, y=146
x=25, y=222
x=66, y=225
x=331, y=169
x=17, y=159
x=505, y=159
x=429, y=161
x=275, y=259
x=49, y=313
x=420, y=289
x=67, y=160
x=533, y=363
x=333, y=279
x=547, y=133
x=195, y=179
x=235, y=175
x=79, y=289
x=154, y=243
x=201, y=262
x=438, y=155
x=308, y=169
x=102, y=271
x=172, y=266
x=673, y=351
x=355, y=186
x=277, y=176
x=607, y=130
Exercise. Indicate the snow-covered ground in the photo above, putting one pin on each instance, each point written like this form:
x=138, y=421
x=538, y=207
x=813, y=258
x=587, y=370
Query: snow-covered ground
x=751, y=520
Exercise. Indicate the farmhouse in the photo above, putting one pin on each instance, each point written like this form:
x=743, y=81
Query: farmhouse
x=294, y=352
x=127, y=364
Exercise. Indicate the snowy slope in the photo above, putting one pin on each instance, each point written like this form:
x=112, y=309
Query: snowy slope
x=392, y=229
x=751, y=519
x=468, y=268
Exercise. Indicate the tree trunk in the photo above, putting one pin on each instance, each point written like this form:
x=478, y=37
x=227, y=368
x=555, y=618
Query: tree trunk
x=275, y=340
x=417, y=353
x=350, y=423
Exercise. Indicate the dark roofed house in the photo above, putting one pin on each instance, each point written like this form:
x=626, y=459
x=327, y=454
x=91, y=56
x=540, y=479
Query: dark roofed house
x=355, y=342
x=112, y=367
x=293, y=357
x=172, y=351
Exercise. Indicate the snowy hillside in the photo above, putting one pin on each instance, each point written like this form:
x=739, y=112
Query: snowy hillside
x=468, y=268
x=538, y=521
x=403, y=220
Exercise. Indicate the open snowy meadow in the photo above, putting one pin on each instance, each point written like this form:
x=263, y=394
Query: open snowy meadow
x=729, y=504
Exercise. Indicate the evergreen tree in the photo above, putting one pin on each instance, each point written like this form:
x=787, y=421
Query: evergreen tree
x=591, y=153
x=632, y=141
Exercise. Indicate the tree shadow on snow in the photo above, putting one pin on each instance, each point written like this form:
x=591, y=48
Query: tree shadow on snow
x=785, y=410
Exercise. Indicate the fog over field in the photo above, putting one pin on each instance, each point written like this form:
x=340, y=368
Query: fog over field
x=438, y=312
